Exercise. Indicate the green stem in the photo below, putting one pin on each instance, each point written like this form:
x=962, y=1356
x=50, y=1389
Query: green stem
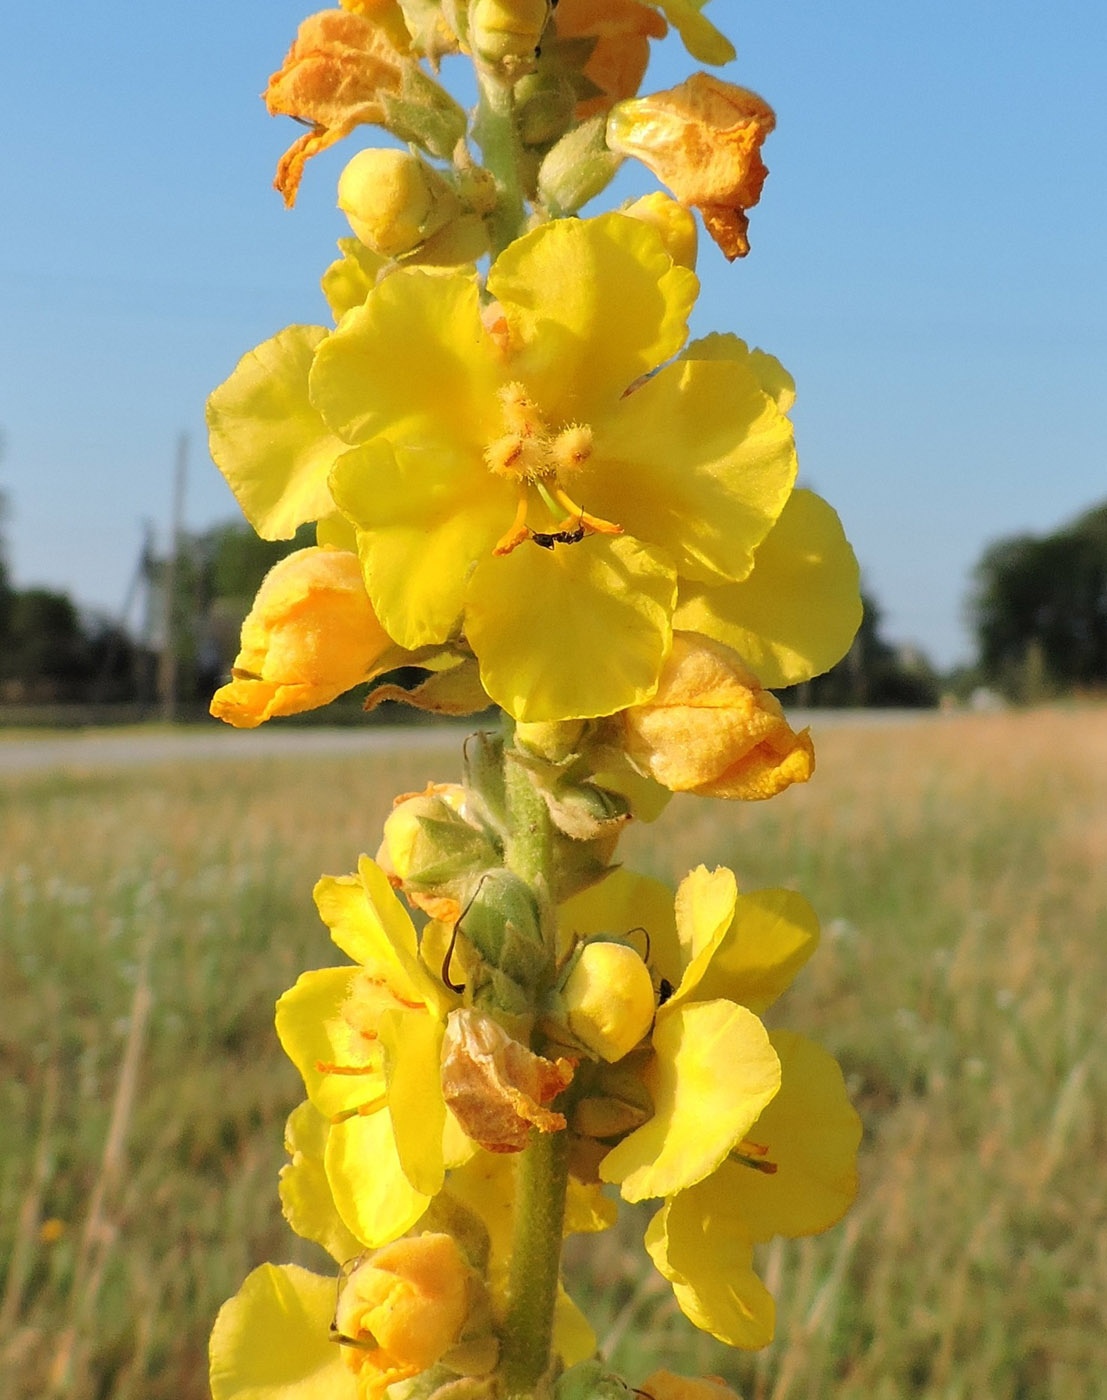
x=540, y=1183
x=543, y=1169
x=495, y=131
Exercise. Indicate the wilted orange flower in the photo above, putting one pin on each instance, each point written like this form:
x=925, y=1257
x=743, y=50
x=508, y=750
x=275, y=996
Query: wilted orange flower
x=495, y=1087
x=310, y=635
x=333, y=76
x=702, y=139
x=711, y=729
x=622, y=30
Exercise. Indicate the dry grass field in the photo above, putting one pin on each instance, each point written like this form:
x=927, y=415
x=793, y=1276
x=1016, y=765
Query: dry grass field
x=149, y=916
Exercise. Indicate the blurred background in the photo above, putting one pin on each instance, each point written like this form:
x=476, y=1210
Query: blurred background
x=927, y=260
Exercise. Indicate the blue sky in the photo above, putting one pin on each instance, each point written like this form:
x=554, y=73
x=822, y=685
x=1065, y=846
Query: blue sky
x=928, y=259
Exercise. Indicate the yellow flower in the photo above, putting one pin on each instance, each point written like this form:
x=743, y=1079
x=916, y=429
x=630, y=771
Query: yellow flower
x=712, y=730
x=703, y=139
x=522, y=483
x=333, y=78
x=796, y=1174
x=411, y=1305
x=310, y=635
x=791, y=1167
x=403, y=1309
x=367, y=1040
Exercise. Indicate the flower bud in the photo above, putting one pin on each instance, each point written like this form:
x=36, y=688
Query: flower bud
x=711, y=729
x=702, y=139
x=403, y=1308
x=672, y=221
x=507, y=32
x=394, y=201
x=608, y=999
x=310, y=635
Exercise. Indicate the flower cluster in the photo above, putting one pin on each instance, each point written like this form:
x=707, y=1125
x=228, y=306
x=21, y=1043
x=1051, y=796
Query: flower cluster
x=530, y=486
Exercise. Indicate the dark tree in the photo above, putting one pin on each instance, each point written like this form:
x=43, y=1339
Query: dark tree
x=1039, y=609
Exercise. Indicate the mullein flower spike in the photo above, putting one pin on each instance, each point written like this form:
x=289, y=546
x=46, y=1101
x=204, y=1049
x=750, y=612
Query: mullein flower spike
x=529, y=486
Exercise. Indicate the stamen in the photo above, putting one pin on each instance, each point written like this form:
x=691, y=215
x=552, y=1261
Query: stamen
x=518, y=532
x=753, y=1154
x=577, y=516
x=362, y=1111
x=325, y=1067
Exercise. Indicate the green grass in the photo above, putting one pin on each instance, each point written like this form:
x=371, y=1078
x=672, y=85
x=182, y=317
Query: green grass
x=960, y=869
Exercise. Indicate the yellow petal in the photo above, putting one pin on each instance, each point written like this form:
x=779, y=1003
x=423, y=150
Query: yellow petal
x=700, y=37
x=313, y=1032
x=704, y=908
x=797, y=612
x=272, y=1340
x=591, y=304
x=350, y=279
x=573, y=1337
x=714, y=1072
x=750, y=955
x=305, y=1193
x=425, y=518
x=573, y=632
x=623, y=901
x=269, y=441
x=412, y=1045
x=414, y=364
x=699, y=460
x=708, y=1258
x=371, y=1191
x=811, y=1133
x=771, y=374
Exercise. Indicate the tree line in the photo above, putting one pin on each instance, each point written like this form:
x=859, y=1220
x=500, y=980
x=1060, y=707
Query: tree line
x=1037, y=607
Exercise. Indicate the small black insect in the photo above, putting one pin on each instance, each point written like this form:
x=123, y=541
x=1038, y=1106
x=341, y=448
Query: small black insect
x=547, y=541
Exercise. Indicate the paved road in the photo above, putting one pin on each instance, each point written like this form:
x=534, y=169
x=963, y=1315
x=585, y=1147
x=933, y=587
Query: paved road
x=127, y=748
x=80, y=751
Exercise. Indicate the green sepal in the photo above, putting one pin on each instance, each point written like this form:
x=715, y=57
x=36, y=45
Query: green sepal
x=501, y=921
x=579, y=167
x=425, y=114
x=590, y=1380
x=484, y=775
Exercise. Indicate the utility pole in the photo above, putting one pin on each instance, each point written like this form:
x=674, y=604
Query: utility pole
x=169, y=658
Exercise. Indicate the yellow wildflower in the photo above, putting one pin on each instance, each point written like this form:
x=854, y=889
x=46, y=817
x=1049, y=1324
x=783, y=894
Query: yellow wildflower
x=310, y=635
x=541, y=430
x=367, y=1041
x=404, y=1308
x=796, y=1174
x=703, y=139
